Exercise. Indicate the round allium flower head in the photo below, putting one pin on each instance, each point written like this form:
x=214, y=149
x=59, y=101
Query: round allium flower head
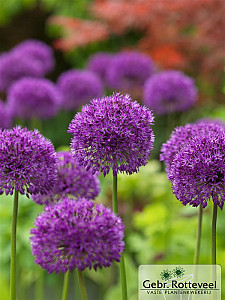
x=5, y=119
x=112, y=132
x=27, y=162
x=198, y=170
x=170, y=91
x=129, y=70
x=181, y=136
x=30, y=98
x=39, y=52
x=14, y=66
x=78, y=87
x=77, y=234
x=72, y=180
x=99, y=63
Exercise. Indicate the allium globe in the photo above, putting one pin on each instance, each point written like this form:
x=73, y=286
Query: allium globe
x=99, y=63
x=181, y=136
x=39, y=52
x=78, y=87
x=198, y=170
x=72, y=180
x=112, y=132
x=77, y=234
x=129, y=70
x=6, y=118
x=30, y=98
x=27, y=162
x=170, y=91
x=14, y=66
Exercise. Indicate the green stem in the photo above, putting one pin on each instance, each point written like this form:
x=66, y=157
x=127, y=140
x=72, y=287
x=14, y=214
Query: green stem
x=115, y=202
x=13, y=248
x=82, y=285
x=214, y=219
x=199, y=233
x=65, y=285
x=122, y=264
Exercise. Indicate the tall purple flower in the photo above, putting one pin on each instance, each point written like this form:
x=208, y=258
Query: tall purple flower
x=6, y=118
x=128, y=71
x=112, y=132
x=30, y=98
x=181, y=136
x=39, y=52
x=99, y=63
x=79, y=87
x=27, y=162
x=15, y=66
x=73, y=180
x=198, y=170
x=170, y=91
x=77, y=234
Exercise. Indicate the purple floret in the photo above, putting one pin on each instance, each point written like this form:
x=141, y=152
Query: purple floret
x=78, y=87
x=77, y=234
x=37, y=51
x=14, y=66
x=99, y=63
x=73, y=180
x=170, y=91
x=27, y=162
x=5, y=115
x=129, y=70
x=112, y=132
x=181, y=136
x=198, y=170
x=30, y=98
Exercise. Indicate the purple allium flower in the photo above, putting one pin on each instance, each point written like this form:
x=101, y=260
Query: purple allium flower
x=14, y=66
x=39, y=52
x=77, y=234
x=72, y=180
x=198, y=170
x=181, y=136
x=27, y=162
x=112, y=132
x=5, y=119
x=79, y=87
x=170, y=91
x=129, y=70
x=30, y=98
x=99, y=63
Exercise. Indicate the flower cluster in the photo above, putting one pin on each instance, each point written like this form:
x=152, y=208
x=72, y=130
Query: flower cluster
x=27, y=162
x=78, y=87
x=31, y=58
x=77, y=234
x=30, y=98
x=73, y=180
x=35, y=50
x=170, y=91
x=112, y=132
x=13, y=66
x=99, y=63
x=128, y=70
x=181, y=136
x=6, y=118
x=198, y=170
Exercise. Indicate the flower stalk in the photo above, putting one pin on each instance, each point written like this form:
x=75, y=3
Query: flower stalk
x=65, y=285
x=122, y=263
x=82, y=285
x=199, y=233
x=13, y=248
x=214, y=220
